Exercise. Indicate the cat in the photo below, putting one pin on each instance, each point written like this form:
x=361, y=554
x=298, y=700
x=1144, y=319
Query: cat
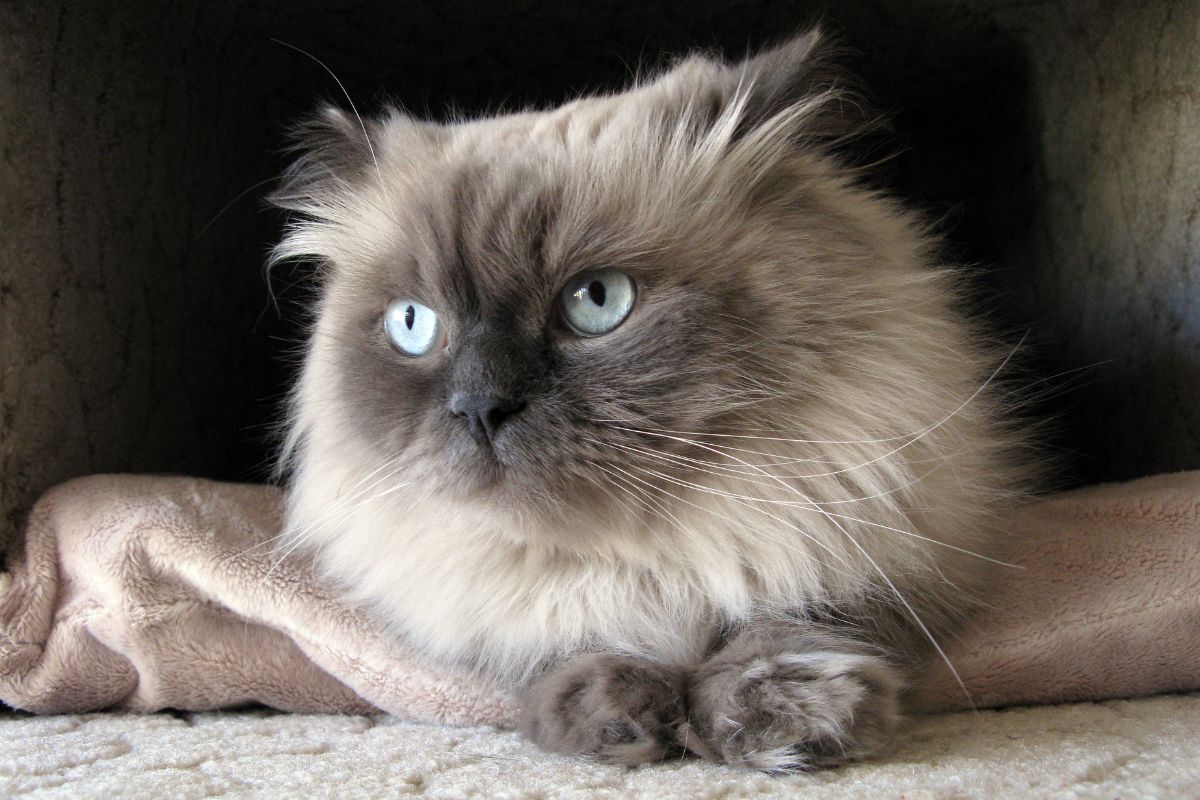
x=648, y=408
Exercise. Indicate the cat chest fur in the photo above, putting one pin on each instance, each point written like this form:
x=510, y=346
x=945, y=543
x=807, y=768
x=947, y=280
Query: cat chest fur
x=463, y=590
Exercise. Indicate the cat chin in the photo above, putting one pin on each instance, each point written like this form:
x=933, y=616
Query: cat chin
x=489, y=474
x=531, y=506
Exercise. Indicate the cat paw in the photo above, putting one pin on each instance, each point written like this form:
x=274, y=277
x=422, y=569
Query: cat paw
x=787, y=711
x=619, y=709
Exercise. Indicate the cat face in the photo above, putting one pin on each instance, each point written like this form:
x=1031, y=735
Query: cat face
x=516, y=308
x=498, y=349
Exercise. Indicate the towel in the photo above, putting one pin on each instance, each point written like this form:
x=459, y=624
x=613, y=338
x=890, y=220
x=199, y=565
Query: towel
x=143, y=593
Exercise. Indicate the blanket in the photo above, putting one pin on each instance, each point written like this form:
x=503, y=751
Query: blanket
x=148, y=592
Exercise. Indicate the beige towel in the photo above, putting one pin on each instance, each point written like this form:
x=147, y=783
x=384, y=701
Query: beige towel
x=144, y=593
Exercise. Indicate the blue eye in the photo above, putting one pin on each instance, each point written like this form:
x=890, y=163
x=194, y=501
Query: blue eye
x=597, y=301
x=413, y=328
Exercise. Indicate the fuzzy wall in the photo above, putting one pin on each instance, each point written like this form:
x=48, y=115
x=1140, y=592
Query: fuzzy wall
x=1057, y=142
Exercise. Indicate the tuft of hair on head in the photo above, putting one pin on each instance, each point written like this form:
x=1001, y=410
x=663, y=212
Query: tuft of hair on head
x=337, y=156
x=741, y=123
x=331, y=150
x=795, y=90
x=800, y=80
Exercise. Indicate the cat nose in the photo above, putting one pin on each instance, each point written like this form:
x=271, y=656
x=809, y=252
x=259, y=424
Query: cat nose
x=484, y=413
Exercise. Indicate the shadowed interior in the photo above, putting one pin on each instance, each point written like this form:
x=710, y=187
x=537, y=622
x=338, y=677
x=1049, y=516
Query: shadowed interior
x=1053, y=142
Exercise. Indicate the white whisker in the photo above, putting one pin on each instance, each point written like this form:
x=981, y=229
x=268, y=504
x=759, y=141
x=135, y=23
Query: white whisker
x=863, y=551
x=361, y=124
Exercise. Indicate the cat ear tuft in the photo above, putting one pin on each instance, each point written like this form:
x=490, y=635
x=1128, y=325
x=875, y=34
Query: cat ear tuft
x=799, y=74
x=334, y=150
x=795, y=89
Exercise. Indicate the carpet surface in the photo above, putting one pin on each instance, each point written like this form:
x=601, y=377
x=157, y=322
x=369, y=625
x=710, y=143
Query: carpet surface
x=1123, y=748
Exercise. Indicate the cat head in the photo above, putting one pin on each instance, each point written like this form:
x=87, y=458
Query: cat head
x=549, y=312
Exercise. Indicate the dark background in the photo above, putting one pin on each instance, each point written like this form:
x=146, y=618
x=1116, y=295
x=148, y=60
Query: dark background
x=1054, y=143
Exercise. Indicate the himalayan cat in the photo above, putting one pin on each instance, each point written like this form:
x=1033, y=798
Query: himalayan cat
x=647, y=408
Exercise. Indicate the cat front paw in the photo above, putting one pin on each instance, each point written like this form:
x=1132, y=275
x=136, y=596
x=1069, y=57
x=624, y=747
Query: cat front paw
x=784, y=711
x=616, y=708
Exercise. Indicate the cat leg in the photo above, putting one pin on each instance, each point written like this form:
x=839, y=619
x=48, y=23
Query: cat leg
x=786, y=698
x=617, y=708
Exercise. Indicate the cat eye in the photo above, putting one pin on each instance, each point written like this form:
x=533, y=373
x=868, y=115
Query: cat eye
x=597, y=301
x=413, y=328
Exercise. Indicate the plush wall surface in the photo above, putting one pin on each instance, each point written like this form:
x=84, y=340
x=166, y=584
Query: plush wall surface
x=1056, y=142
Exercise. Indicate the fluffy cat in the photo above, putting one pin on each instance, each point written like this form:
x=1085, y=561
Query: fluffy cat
x=645, y=407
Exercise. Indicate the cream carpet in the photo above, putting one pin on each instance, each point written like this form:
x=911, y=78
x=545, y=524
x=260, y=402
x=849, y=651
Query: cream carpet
x=1146, y=748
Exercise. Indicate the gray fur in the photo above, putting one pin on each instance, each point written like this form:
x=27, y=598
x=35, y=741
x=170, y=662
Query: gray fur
x=778, y=700
x=616, y=708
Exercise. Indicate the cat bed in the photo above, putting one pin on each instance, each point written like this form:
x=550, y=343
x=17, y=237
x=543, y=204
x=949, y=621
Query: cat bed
x=147, y=593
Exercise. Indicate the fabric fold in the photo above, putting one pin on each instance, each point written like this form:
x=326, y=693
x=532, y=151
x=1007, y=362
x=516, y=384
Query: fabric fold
x=151, y=592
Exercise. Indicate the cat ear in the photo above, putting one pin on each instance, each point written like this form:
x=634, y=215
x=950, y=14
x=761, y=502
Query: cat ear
x=334, y=150
x=794, y=89
x=799, y=76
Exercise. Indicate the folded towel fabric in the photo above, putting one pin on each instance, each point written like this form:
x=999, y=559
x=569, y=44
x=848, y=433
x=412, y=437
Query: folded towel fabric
x=144, y=593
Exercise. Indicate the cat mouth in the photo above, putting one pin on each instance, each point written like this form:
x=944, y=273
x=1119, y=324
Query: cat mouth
x=480, y=469
x=512, y=465
x=498, y=477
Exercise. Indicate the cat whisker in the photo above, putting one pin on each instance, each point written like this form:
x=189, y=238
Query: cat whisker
x=341, y=86
x=720, y=470
x=756, y=531
x=230, y=205
x=625, y=490
x=748, y=502
x=908, y=439
x=300, y=540
x=915, y=535
x=884, y=577
x=345, y=497
x=710, y=434
x=661, y=512
x=735, y=471
x=716, y=448
x=739, y=475
x=816, y=506
x=346, y=505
